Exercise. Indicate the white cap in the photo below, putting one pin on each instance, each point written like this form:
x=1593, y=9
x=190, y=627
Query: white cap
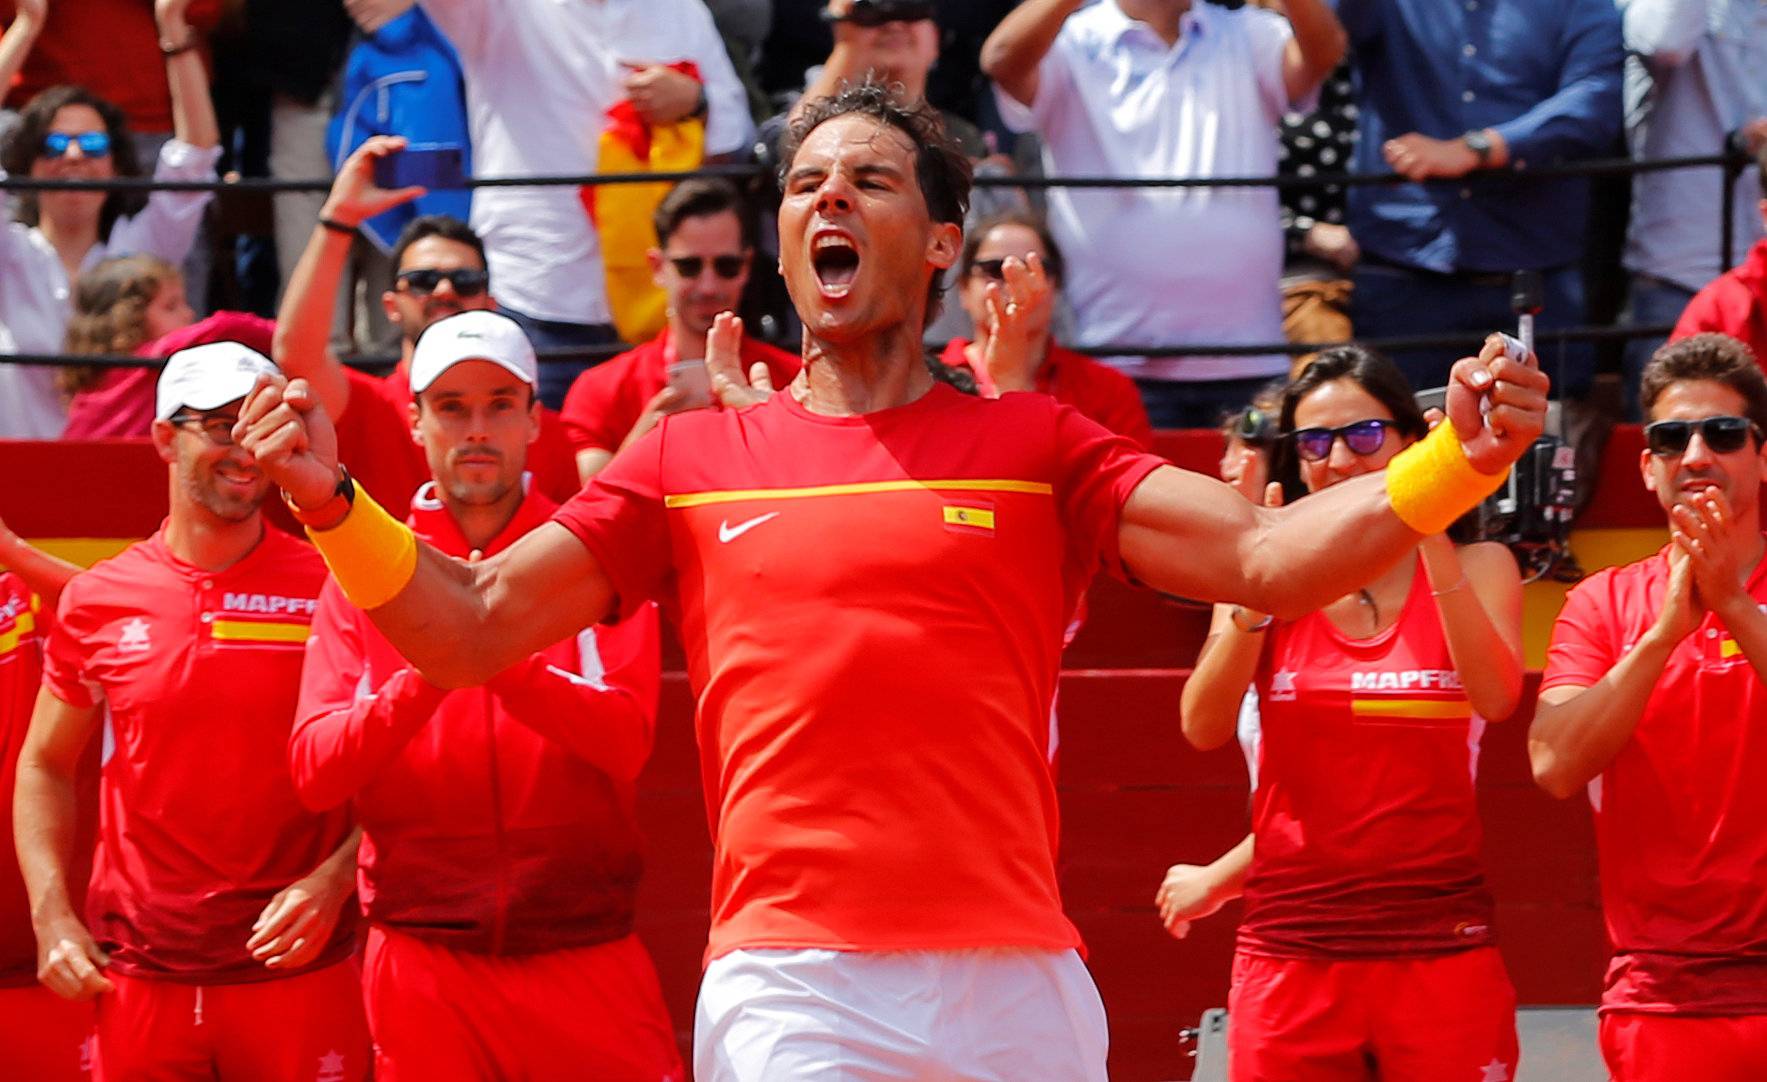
x=209, y=376
x=481, y=335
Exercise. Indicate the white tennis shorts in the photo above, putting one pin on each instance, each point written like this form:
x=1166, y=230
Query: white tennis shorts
x=930, y=1016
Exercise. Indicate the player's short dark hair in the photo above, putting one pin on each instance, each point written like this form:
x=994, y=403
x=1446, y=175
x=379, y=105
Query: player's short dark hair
x=445, y=226
x=25, y=142
x=941, y=169
x=1036, y=223
x=702, y=197
x=1715, y=357
x=1370, y=370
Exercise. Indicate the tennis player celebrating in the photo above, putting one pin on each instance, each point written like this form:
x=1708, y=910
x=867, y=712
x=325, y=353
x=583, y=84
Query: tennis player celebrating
x=1366, y=947
x=884, y=898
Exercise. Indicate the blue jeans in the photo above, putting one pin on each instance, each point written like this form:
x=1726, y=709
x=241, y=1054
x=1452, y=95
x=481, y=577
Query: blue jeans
x=1394, y=301
x=558, y=373
x=1200, y=404
x=1649, y=302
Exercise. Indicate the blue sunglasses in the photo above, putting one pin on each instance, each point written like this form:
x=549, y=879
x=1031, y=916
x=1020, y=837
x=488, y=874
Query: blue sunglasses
x=93, y=144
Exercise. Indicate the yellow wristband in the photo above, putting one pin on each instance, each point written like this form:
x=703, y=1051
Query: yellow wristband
x=1430, y=483
x=371, y=554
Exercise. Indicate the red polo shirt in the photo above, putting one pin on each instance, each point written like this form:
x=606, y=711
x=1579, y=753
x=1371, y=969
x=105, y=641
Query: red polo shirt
x=1734, y=303
x=1094, y=388
x=607, y=400
x=1681, y=812
x=872, y=609
x=199, y=826
x=497, y=819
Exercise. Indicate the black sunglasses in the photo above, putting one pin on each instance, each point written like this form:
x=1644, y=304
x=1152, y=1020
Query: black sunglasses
x=1361, y=437
x=726, y=267
x=466, y=281
x=217, y=427
x=1722, y=434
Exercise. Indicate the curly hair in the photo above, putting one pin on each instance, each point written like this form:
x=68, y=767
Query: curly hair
x=25, y=142
x=110, y=312
x=941, y=169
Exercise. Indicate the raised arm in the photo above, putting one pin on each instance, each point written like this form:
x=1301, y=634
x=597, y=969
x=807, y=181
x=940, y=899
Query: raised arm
x=1209, y=707
x=1015, y=50
x=193, y=110
x=69, y=961
x=1191, y=535
x=301, y=347
x=458, y=623
x=1317, y=47
x=854, y=56
x=15, y=45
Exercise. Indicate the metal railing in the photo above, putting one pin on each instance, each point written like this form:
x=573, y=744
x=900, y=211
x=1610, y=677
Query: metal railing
x=1731, y=160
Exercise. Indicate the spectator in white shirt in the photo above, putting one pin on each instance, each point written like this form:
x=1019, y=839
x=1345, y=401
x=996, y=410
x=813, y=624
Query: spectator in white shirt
x=1167, y=88
x=1694, y=76
x=48, y=238
x=540, y=76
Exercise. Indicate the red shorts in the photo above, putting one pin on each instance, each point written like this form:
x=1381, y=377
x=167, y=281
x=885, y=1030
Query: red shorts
x=44, y=1036
x=1423, y=1019
x=307, y=1028
x=585, y=1012
x=1641, y=1047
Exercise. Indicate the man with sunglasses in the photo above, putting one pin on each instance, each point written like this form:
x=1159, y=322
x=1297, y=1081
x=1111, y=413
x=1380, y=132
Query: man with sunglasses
x=439, y=270
x=1653, y=699
x=701, y=262
x=217, y=935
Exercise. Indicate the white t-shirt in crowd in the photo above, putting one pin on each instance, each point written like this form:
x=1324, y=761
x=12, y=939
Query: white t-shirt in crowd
x=540, y=76
x=1157, y=266
x=36, y=298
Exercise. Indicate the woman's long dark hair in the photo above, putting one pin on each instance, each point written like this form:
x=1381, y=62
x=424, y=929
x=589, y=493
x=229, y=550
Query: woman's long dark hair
x=25, y=142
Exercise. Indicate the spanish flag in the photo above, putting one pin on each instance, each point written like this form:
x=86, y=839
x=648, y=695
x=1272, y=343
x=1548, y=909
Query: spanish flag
x=622, y=212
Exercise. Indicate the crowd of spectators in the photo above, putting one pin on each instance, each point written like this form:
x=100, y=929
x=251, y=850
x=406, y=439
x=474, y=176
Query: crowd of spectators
x=1176, y=287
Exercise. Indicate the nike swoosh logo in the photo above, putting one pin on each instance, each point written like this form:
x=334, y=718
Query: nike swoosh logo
x=728, y=533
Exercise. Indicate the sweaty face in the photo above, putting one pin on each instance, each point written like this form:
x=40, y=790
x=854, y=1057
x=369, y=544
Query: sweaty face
x=475, y=423
x=1677, y=478
x=411, y=309
x=1332, y=405
x=220, y=478
x=714, y=242
x=857, y=245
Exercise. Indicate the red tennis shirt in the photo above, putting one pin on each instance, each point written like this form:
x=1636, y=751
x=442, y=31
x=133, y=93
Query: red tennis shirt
x=1681, y=812
x=1366, y=822
x=198, y=823
x=872, y=611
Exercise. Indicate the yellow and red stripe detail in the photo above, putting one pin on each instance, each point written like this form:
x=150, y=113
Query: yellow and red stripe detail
x=862, y=488
x=1411, y=708
x=257, y=631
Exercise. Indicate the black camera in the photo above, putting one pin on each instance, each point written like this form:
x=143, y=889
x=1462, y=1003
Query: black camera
x=879, y=12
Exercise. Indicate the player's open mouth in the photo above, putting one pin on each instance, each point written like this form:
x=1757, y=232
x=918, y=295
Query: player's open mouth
x=835, y=259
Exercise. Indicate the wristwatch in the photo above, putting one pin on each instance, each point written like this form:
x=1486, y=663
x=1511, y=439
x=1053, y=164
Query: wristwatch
x=333, y=510
x=1479, y=143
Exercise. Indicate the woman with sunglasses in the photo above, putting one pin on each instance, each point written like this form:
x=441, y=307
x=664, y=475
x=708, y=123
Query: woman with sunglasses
x=50, y=237
x=1008, y=278
x=1366, y=946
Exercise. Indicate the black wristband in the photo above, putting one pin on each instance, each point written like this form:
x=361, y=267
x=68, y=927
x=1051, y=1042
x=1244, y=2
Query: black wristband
x=338, y=227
